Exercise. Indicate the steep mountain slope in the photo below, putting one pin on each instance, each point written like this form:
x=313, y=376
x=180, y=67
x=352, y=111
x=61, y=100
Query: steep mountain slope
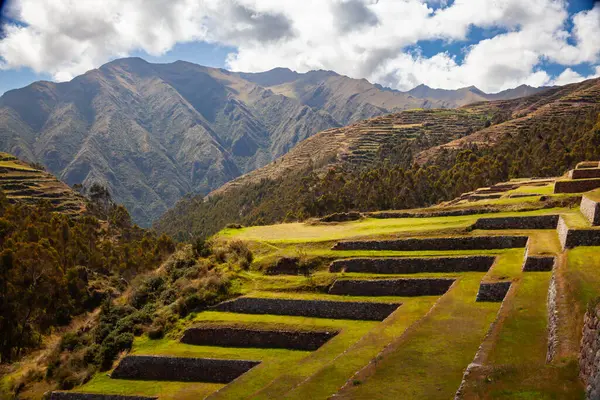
x=152, y=133
x=394, y=162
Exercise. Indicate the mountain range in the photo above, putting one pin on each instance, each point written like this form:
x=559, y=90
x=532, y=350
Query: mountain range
x=152, y=133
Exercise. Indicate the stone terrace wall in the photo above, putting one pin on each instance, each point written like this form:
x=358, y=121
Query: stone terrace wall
x=492, y=291
x=570, y=238
x=538, y=263
x=391, y=287
x=590, y=210
x=243, y=337
x=584, y=173
x=576, y=186
x=93, y=396
x=447, y=243
x=589, y=357
x=552, y=319
x=429, y=214
x=527, y=222
x=413, y=265
x=181, y=369
x=310, y=308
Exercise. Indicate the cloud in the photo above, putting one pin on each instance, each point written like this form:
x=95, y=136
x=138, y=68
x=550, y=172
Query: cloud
x=373, y=39
x=570, y=76
x=353, y=14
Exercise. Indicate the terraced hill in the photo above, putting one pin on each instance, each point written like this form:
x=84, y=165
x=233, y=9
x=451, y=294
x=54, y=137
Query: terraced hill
x=20, y=182
x=479, y=298
x=406, y=160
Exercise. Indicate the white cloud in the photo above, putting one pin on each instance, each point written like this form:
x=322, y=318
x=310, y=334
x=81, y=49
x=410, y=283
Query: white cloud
x=359, y=38
x=570, y=76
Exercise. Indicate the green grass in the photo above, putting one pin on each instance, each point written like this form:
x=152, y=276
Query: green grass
x=515, y=359
x=103, y=384
x=428, y=362
x=315, y=380
x=526, y=189
x=369, y=227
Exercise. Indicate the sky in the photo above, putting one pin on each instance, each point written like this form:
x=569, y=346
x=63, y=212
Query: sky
x=492, y=44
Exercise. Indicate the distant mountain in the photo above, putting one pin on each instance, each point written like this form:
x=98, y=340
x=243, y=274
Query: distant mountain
x=152, y=133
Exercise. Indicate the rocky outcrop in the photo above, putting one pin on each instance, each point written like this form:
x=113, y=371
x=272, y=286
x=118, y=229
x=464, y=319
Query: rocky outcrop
x=389, y=265
x=246, y=337
x=527, y=222
x=442, y=243
x=589, y=357
x=576, y=186
x=181, y=369
x=391, y=287
x=590, y=210
x=538, y=263
x=310, y=308
x=94, y=396
x=492, y=291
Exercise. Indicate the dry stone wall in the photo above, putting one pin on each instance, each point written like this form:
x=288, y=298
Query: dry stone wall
x=244, y=337
x=590, y=210
x=538, y=263
x=446, y=243
x=552, y=320
x=355, y=310
x=589, y=357
x=429, y=214
x=93, y=396
x=181, y=369
x=570, y=238
x=391, y=287
x=576, y=186
x=527, y=222
x=413, y=265
x=492, y=291
x=584, y=173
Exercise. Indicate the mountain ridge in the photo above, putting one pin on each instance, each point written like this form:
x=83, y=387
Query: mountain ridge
x=152, y=133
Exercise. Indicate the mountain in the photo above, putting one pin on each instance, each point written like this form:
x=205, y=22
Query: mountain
x=152, y=133
x=409, y=159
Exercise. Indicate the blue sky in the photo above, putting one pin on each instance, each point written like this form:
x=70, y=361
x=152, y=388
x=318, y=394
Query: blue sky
x=492, y=44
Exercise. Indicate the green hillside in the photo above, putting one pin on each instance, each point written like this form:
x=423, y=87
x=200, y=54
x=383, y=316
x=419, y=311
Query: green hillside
x=486, y=297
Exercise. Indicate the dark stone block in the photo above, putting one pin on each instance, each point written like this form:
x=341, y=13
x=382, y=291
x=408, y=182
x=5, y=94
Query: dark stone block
x=181, y=369
x=245, y=337
x=445, y=243
x=389, y=265
x=538, y=263
x=391, y=287
x=528, y=222
x=493, y=291
x=310, y=308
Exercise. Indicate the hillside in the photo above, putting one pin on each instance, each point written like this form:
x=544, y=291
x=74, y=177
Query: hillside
x=152, y=133
x=23, y=183
x=371, y=165
x=482, y=298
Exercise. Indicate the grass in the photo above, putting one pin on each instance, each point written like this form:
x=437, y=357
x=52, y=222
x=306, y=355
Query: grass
x=515, y=364
x=314, y=379
x=429, y=360
x=369, y=227
x=13, y=164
